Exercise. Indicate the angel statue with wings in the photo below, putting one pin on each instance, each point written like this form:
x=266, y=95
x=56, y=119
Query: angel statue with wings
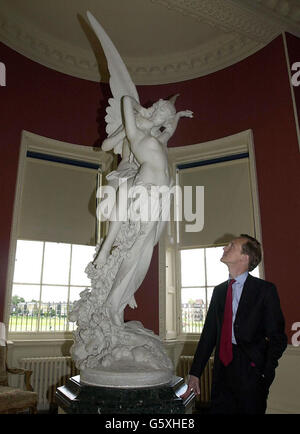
x=103, y=342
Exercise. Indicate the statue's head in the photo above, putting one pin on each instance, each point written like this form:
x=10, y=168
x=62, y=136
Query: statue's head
x=163, y=110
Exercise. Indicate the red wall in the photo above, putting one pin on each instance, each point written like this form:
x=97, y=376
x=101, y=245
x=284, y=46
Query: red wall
x=253, y=93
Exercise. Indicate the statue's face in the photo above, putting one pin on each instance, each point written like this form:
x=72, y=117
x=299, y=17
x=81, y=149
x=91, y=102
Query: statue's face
x=163, y=112
x=159, y=118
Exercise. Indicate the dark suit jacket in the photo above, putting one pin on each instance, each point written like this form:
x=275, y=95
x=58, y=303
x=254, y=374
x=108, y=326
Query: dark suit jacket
x=258, y=328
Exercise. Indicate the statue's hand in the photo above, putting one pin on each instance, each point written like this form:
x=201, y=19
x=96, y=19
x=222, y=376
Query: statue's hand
x=186, y=114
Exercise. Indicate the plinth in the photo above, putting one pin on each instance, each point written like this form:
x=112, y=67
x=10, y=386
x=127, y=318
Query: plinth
x=79, y=398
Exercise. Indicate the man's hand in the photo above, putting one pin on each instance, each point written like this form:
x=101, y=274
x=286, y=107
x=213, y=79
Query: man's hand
x=193, y=386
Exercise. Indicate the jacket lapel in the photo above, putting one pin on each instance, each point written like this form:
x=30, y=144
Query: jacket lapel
x=222, y=299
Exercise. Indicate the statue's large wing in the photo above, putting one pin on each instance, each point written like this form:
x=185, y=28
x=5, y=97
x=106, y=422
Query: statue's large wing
x=120, y=81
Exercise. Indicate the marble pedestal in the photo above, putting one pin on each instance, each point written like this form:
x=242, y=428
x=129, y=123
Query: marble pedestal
x=80, y=398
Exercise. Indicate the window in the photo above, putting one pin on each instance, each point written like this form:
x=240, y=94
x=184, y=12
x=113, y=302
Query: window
x=48, y=278
x=54, y=233
x=201, y=271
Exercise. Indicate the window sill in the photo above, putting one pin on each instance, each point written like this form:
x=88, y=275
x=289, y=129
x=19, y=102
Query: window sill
x=32, y=337
x=188, y=337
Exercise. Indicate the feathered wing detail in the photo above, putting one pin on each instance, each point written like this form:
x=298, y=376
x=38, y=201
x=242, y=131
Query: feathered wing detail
x=120, y=81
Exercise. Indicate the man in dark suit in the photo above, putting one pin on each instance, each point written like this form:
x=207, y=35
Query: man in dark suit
x=245, y=326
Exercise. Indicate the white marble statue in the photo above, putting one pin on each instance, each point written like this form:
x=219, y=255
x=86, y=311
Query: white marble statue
x=108, y=351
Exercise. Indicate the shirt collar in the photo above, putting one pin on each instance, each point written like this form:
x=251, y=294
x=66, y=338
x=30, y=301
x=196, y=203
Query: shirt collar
x=241, y=278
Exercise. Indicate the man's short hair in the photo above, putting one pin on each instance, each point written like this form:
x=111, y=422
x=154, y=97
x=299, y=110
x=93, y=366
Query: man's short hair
x=252, y=248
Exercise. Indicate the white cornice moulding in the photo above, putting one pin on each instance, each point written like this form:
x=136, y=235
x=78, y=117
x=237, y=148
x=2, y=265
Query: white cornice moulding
x=226, y=15
x=286, y=13
x=244, y=35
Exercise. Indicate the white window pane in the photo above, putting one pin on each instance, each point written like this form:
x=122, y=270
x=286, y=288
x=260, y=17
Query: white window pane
x=81, y=256
x=255, y=272
x=28, y=261
x=54, y=294
x=26, y=292
x=75, y=293
x=192, y=295
x=192, y=267
x=24, y=308
x=53, y=314
x=192, y=309
x=56, y=263
x=217, y=272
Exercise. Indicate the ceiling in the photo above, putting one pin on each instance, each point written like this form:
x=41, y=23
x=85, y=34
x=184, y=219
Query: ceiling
x=161, y=41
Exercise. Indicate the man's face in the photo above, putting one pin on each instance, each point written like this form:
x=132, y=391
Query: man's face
x=233, y=255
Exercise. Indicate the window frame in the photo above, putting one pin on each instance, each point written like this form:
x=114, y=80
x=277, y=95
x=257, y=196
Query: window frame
x=205, y=286
x=235, y=144
x=68, y=285
x=31, y=142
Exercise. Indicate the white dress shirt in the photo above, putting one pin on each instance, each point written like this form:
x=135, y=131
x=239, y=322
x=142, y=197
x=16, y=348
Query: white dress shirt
x=237, y=289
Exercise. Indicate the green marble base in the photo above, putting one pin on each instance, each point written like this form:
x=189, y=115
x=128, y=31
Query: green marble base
x=76, y=398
